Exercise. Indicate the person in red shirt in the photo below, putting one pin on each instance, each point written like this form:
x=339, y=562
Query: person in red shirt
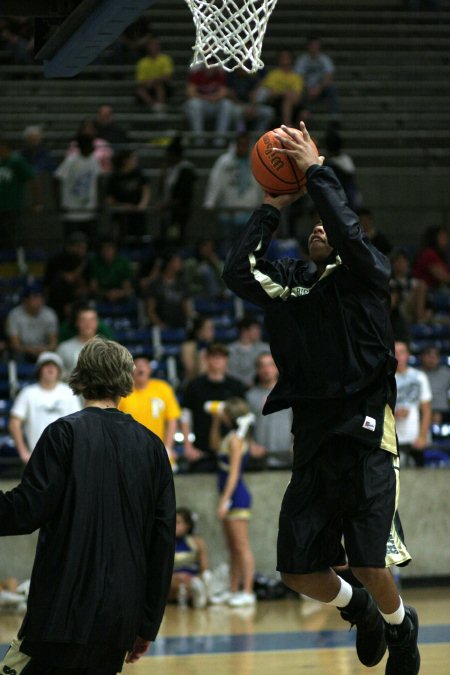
x=432, y=265
x=207, y=98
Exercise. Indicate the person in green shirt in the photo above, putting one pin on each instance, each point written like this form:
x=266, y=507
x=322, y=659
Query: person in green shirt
x=15, y=173
x=110, y=273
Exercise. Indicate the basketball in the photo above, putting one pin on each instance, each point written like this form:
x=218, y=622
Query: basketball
x=277, y=174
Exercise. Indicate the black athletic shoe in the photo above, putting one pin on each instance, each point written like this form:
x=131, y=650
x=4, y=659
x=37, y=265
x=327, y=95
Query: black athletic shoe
x=404, y=656
x=370, y=629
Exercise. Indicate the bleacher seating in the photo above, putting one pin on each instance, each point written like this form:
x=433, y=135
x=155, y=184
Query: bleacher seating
x=392, y=74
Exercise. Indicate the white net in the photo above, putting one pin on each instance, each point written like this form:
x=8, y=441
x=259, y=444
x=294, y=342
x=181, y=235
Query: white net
x=230, y=33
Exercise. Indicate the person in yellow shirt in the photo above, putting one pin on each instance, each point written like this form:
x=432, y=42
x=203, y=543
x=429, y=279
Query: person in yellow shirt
x=153, y=403
x=153, y=74
x=282, y=88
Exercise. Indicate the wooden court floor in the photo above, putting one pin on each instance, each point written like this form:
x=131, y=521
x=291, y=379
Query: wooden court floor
x=277, y=638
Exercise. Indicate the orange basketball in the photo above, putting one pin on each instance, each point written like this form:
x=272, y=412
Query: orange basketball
x=276, y=173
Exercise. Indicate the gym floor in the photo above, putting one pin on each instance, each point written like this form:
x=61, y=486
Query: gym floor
x=286, y=636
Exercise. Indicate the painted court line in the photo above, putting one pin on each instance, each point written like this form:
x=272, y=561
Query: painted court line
x=260, y=642
x=271, y=642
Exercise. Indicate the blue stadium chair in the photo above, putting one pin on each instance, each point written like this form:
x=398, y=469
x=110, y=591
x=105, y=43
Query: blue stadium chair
x=436, y=458
x=173, y=335
x=140, y=349
x=119, y=309
x=10, y=462
x=214, y=307
x=226, y=334
x=131, y=336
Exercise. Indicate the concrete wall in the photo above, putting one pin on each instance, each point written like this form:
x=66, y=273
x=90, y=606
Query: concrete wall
x=424, y=510
x=406, y=202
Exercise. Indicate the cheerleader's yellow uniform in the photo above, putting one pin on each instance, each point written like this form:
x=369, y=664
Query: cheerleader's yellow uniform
x=241, y=499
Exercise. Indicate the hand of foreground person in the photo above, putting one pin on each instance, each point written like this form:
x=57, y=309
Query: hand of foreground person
x=299, y=146
x=140, y=647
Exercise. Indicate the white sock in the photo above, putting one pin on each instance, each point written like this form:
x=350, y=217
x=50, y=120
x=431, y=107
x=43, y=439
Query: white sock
x=344, y=596
x=396, y=617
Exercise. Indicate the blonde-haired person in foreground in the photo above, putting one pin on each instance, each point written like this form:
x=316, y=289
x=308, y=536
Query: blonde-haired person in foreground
x=100, y=488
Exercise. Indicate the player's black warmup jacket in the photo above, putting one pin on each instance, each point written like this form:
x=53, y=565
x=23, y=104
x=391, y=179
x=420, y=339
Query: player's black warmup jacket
x=330, y=337
x=100, y=488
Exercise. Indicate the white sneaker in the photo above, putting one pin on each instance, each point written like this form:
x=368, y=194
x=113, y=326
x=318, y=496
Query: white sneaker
x=24, y=588
x=206, y=577
x=220, y=598
x=199, y=596
x=8, y=598
x=242, y=600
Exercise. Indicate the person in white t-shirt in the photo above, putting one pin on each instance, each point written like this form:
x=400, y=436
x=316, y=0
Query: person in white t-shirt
x=87, y=327
x=78, y=175
x=413, y=408
x=37, y=405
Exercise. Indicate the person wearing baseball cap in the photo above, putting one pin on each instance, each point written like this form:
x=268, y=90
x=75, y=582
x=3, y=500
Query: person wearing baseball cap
x=39, y=404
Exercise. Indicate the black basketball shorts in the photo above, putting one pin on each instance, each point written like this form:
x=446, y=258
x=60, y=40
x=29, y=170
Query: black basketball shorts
x=342, y=505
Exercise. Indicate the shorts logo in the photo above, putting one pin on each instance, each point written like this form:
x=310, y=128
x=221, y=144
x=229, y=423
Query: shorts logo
x=369, y=424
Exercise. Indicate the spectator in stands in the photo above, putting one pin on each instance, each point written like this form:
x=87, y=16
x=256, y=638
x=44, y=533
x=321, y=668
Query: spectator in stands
x=413, y=408
x=232, y=188
x=244, y=351
x=68, y=287
x=153, y=403
x=103, y=151
x=411, y=293
x=204, y=271
x=282, y=89
x=110, y=274
x=191, y=562
x=213, y=386
x=432, y=265
x=378, y=239
x=153, y=75
x=17, y=35
x=69, y=328
x=167, y=301
x=150, y=266
x=438, y=376
x=207, y=99
x=342, y=165
x=176, y=192
x=244, y=90
x=15, y=175
x=128, y=196
x=135, y=37
x=272, y=438
x=87, y=327
x=75, y=244
x=107, y=128
x=37, y=405
x=78, y=176
x=32, y=327
x=193, y=350
x=35, y=152
x=317, y=69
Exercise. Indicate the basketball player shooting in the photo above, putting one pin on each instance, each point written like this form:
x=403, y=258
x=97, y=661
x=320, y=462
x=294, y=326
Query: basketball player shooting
x=330, y=336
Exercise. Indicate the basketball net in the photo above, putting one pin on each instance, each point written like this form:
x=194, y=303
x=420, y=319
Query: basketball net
x=230, y=33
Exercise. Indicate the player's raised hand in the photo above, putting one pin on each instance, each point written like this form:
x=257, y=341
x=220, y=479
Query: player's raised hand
x=298, y=145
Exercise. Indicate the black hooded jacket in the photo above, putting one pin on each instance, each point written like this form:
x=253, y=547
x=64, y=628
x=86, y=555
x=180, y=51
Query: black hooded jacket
x=330, y=335
x=100, y=488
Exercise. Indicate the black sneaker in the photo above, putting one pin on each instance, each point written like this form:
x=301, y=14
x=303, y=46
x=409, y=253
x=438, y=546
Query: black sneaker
x=404, y=656
x=370, y=629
